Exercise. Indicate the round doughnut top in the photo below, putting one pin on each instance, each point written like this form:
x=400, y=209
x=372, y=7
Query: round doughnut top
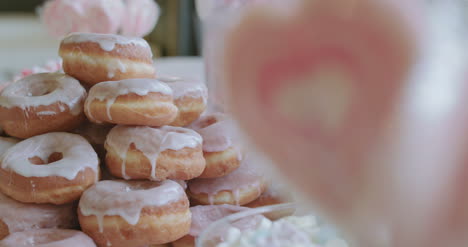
x=217, y=131
x=107, y=42
x=113, y=89
x=77, y=154
x=185, y=87
x=48, y=238
x=44, y=89
x=247, y=175
x=151, y=141
x=203, y=216
x=21, y=216
x=6, y=143
x=127, y=198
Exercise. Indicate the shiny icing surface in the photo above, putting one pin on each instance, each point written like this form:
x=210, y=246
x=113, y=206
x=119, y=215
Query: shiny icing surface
x=184, y=87
x=107, y=42
x=127, y=198
x=217, y=131
x=6, y=143
x=42, y=90
x=151, y=141
x=109, y=91
x=246, y=176
x=24, y=216
x=77, y=153
x=48, y=238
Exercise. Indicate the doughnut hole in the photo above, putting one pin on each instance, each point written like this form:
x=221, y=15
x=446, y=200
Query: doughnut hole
x=55, y=156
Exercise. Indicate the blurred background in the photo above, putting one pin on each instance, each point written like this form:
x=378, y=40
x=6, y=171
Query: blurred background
x=24, y=41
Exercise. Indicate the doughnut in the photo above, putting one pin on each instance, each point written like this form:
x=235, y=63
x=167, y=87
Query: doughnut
x=94, y=58
x=145, y=102
x=134, y=213
x=203, y=217
x=240, y=187
x=17, y=217
x=274, y=194
x=190, y=97
x=6, y=143
x=48, y=238
x=221, y=153
x=50, y=168
x=41, y=103
x=141, y=17
x=95, y=134
x=154, y=153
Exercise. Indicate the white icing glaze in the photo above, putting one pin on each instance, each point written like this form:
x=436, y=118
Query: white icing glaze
x=127, y=198
x=78, y=155
x=24, y=216
x=109, y=91
x=42, y=90
x=48, y=238
x=184, y=87
x=107, y=42
x=6, y=143
x=151, y=141
x=218, y=136
x=246, y=176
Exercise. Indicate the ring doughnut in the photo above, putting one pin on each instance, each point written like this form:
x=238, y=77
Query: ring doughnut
x=134, y=213
x=190, y=97
x=145, y=102
x=17, y=217
x=240, y=187
x=41, y=103
x=50, y=168
x=154, y=154
x=94, y=58
x=202, y=217
x=48, y=238
x=221, y=154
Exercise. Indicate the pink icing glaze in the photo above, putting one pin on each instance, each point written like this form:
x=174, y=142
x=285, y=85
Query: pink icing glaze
x=48, y=238
x=77, y=153
x=151, y=141
x=203, y=216
x=127, y=198
x=247, y=175
x=141, y=17
x=218, y=136
x=22, y=216
x=185, y=87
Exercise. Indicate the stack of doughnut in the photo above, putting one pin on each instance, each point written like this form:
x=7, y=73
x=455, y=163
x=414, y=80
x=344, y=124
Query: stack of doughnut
x=110, y=154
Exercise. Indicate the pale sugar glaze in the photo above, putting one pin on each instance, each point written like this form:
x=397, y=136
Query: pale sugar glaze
x=6, y=143
x=185, y=87
x=109, y=91
x=217, y=136
x=24, y=216
x=107, y=42
x=43, y=90
x=151, y=141
x=48, y=238
x=246, y=176
x=78, y=155
x=127, y=198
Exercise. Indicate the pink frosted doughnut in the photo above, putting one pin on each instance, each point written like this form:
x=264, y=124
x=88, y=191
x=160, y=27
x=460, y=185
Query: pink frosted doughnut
x=16, y=216
x=103, y=16
x=48, y=238
x=141, y=17
x=62, y=17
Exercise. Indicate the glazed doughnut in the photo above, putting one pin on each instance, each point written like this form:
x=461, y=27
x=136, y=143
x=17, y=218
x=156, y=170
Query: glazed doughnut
x=48, y=238
x=190, y=97
x=145, y=102
x=6, y=143
x=154, y=153
x=221, y=153
x=94, y=58
x=17, y=217
x=203, y=217
x=41, y=103
x=134, y=213
x=274, y=194
x=50, y=168
x=240, y=187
